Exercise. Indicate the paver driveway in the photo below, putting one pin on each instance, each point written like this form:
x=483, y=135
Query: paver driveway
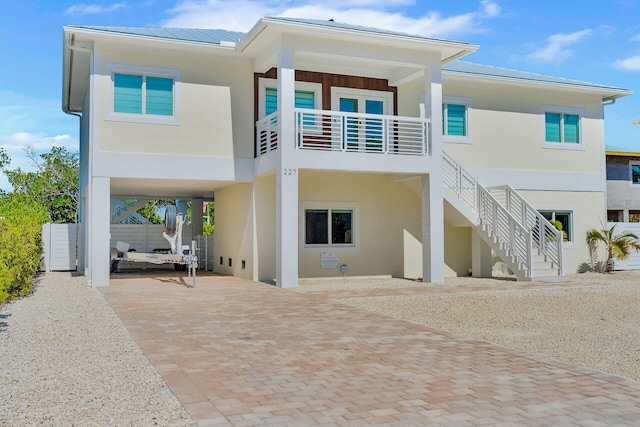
x=242, y=353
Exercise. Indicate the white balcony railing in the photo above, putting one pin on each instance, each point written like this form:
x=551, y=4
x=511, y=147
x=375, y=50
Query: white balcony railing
x=349, y=132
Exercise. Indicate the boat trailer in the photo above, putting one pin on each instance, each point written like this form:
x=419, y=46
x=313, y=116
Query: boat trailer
x=182, y=257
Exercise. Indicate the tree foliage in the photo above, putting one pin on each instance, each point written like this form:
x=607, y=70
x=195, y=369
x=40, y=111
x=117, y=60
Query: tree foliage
x=20, y=245
x=53, y=184
x=617, y=246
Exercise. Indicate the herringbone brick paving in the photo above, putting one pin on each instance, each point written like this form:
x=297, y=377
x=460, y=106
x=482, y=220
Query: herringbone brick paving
x=241, y=353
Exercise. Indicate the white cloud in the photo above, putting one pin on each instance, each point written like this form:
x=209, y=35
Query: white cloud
x=629, y=64
x=371, y=13
x=90, y=9
x=557, y=47
x=15, y=143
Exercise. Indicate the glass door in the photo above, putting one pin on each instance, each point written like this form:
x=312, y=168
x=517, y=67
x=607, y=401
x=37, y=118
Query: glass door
x=363, y=134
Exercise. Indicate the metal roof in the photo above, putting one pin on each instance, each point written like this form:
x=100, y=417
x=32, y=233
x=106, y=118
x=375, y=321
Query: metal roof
x=216, y=36
x=464, y=67
x=183, y=34
x=341, y=25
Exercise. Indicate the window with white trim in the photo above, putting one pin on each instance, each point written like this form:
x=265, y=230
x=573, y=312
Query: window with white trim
x=307, y=95
x=564, y=218
x=140, y=94
x=562, y=127
x=455, y=119
x=329, y=225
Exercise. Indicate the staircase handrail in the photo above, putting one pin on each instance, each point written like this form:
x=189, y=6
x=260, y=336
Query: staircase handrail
x=497, y=220
x=460, y=181
x=545, y=236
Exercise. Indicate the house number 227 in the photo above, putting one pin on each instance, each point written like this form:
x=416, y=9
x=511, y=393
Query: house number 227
x=289, y=171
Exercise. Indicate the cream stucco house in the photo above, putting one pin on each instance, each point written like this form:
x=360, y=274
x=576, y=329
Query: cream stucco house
x=333, y=149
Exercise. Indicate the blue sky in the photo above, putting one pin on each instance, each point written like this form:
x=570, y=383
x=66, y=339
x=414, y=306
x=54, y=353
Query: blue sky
x=586, y=40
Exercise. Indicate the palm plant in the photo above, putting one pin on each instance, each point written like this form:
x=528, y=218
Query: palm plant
x=618, y=246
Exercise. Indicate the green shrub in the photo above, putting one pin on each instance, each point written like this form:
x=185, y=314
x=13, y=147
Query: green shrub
x=20, y=246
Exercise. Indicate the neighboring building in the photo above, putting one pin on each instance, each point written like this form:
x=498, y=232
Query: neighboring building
x=623, y=184
x=334, y=149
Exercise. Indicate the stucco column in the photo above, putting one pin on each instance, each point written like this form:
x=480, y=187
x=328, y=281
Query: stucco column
x=81, y=239
x=432, y=229
x=99, y=231
x=286, y=174
x=481, y=260
x=432, y=187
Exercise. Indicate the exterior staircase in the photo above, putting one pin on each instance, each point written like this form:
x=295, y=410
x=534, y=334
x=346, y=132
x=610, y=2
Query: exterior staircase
x=516, y=232
x=125, y=211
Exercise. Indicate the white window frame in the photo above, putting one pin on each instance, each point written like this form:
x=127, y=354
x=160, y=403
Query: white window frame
x=455, y=138
x=362, y=95
x=572, y=213
x=264, y=83
x=563, y=145
x=631, y=164
x=112, y=69
x=354, y=246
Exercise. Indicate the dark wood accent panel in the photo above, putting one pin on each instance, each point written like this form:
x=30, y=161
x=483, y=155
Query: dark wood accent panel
x=327, y=81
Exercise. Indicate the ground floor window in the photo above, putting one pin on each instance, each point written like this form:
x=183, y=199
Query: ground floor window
x=634, y=216
x=614, y=216
x=564, y=218
x=328, y=226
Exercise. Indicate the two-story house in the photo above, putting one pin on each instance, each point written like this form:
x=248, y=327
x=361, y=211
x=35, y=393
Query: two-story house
x=334, y=149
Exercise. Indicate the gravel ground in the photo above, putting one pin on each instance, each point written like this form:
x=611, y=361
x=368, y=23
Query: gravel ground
x=595, y=323
x=67, y=360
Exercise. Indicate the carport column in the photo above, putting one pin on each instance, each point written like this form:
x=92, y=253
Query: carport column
x=432, y=188
x=99, y=231
x=286, y=174
x=480, y=256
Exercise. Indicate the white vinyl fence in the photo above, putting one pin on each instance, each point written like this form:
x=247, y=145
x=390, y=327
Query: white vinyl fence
x=60, y=247
x=59, y=241
x=633, y=261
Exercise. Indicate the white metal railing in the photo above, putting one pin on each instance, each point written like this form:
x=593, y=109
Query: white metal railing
x=267, y=134
x=461, y=182
x=546, y=238
x=510, y=233
x=358, y=132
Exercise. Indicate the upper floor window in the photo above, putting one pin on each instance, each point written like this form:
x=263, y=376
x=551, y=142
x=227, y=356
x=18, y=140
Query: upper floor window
x=307, y=95
x=142, y=94
x=139, y=94
x=634, y=171
x=455, y=119
x=562, y=127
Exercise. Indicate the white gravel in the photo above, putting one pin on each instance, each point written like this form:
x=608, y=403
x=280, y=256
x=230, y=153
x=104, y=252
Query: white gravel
x=67, y=360
x=593, y=322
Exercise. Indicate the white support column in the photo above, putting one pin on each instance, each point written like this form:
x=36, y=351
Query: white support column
x=82, y=239
x=481, y=260
x=432, y=188
x=432, y=229
x=286, y=175
x=100, y=231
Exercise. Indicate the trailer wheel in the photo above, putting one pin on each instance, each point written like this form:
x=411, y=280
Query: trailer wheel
x=170, y=220
x=180, y=267
x=114, y=265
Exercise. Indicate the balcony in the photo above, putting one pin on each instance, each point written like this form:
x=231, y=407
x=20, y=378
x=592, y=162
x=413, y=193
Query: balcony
x=348, y=132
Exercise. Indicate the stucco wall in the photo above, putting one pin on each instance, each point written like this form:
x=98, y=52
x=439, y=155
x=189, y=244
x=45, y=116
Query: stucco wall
x=506, y=127
x=265, y=220
x=457, y=250
x=389, y=220
x=621, y=193
x=215, y=106
x=234, y=236
x=589, y=211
